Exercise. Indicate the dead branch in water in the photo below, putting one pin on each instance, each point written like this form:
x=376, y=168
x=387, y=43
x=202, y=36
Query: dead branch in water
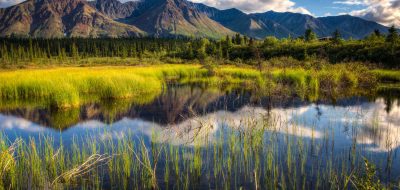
x=93, y=162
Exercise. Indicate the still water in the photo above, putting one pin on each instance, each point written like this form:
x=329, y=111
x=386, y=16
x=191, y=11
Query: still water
x=331, y=129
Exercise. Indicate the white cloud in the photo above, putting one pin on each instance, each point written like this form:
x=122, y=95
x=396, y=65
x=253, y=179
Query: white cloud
x=341, y=8
x=7, y=3
x=350, y=2
x=386, y=12
x=256, y=5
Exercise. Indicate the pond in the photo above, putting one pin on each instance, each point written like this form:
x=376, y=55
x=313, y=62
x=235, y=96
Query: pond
x=232, y=138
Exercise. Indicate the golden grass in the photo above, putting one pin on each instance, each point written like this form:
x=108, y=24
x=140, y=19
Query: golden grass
x=387, y=75
x=68, y=87
x=65, y=87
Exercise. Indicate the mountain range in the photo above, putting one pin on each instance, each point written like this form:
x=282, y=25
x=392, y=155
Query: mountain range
x=165, y=18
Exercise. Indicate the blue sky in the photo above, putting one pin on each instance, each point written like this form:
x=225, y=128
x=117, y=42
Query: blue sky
x=327, y=7
x=386, y=12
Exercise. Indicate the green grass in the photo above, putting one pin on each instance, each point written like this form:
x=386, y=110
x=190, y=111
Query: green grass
x=70, y=87
x=391, y=76
x=66, y=87
x=250, y=154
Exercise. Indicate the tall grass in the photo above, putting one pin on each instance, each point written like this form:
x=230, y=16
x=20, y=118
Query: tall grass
x=72, y=86
x=69, y=87
x=253, y=154
x=387, y=75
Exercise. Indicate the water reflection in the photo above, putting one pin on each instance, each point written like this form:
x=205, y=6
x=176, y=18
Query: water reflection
x=175, y=105
x=187, y=115
x=367, y=122
x=381, y=128
x=192, y=116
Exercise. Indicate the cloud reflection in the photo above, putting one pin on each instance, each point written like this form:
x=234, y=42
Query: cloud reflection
x=371, y=125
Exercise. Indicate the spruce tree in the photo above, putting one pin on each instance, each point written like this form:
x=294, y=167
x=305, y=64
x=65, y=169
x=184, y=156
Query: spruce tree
x=393, y=35
x=201, y=50
x=31, y=49
x=337, y=37
x=377, y=32
x=220, y=51
x=238, y=39
x=74, y=51
x=310, y=36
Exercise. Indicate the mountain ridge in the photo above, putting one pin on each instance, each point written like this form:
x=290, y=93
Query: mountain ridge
x=114, y=8
x=165, y=18
x=58, y=18
x=323, y=26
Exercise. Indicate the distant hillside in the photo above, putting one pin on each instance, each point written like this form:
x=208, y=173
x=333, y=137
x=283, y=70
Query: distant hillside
x=242, y=23
x=165, y=18
x=59, y=18
x=349, y=26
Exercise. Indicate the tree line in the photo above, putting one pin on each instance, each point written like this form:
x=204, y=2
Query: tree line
x=376, y=48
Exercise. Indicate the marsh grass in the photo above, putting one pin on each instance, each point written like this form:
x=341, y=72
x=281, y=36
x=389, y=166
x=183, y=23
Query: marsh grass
x=250, y=155
x=387, y=76
x=68, y=87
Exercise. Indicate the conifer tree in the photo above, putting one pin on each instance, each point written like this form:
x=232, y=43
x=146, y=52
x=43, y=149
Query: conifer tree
x=336, y=37
x=310, y=36
x=377, y=32
x=393, y=36
x=201, y=50
x=30, y=49
x=74, y=51
x=220, y=51
x=238, y=39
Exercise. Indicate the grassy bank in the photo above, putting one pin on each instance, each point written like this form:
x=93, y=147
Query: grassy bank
x=68, y=87
x=387, y=76
x=65, y=87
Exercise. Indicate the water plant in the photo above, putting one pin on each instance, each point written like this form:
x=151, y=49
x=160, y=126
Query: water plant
x=263, y=152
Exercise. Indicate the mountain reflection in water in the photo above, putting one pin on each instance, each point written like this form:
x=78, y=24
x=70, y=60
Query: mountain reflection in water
x=195, y=117
x=185, y=113
x=173, y=106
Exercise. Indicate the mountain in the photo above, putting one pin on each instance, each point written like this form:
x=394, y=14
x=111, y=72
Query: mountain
x=281, y=25
x=296, y=23
x=242, y=23
x=349, y=26
x=165, y=18
x=59, y=18
x=114, y=8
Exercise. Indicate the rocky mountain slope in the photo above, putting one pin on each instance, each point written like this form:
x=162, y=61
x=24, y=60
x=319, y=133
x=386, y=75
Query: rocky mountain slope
x=242, y=23
x=349, y=26
x=165, y=18
x=59, y=18
x=114, y=8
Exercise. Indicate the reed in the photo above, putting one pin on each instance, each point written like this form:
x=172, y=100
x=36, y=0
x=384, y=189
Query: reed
x=253, y=154
x=387, y=76
x=67, y=87
x=70, y=87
